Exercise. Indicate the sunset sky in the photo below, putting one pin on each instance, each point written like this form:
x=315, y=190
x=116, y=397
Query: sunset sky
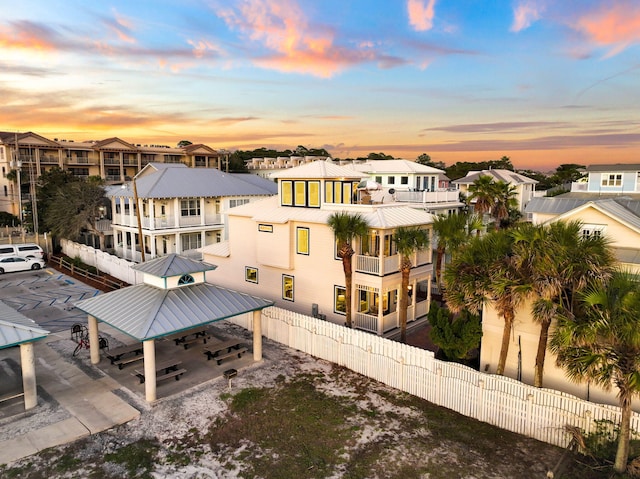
x=544, y=82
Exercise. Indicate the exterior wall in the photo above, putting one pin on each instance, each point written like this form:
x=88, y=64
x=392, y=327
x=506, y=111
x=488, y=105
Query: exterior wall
x=629, y=182
x=314, y=275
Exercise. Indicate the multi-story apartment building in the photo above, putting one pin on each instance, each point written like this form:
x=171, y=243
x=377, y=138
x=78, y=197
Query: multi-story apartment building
x=266, y=166
x=282, y=248
x=181, y=209
x=113, y=159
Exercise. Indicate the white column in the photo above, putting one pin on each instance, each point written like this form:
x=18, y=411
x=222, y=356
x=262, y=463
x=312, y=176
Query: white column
x=149, y=350
x=28, y=363
x=257, y=335
x=94, y=341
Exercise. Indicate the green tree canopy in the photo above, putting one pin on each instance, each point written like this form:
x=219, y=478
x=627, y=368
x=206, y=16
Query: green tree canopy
x=455, y=336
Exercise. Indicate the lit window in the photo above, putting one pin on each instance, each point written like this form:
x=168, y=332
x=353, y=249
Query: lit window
x=340, y=303
x=287, y=287
x=251, y=274
x=301, y=193
x=314, y=194
x=287, y=193
x=302, y=241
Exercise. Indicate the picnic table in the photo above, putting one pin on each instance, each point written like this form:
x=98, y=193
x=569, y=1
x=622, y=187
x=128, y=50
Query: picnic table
x=164, y=370
x=224, y=349
x=190, y=336
x=116, y=354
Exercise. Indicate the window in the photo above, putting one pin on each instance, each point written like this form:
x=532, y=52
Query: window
x=300, y=198
x=6, y=192
x=314, y=194
x=190, y=207
x=234, y=203
x=251, y=274
x=379, y=179
x=287, y=287
x=185, y=279
x=265, y=228
x=191, y=241
x=302, y=240
x=286, y=193
x=339, y=191
x=339, y=301
x=612, y=179
x=592, y=231
x=392, y=180
x=404, y=180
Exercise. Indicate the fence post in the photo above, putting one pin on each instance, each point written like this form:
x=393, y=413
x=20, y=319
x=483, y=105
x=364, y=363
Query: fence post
x=480, y=400
x=339, y=352
x=588, y=423
x=438, y=385
x=403, y=372
x=529, y=418
x=369, y=351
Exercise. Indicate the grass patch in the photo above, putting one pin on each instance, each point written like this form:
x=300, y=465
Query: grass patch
x=138, y=458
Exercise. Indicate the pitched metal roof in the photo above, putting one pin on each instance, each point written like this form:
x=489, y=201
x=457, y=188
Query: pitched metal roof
x=172, y=265
x=554, y=205
x=507, y=176
x=15, y=328
x=318, y=169
x=614, y=167
x=146, y=312
x=394, y=166
x=194, y=183
x=382, y=216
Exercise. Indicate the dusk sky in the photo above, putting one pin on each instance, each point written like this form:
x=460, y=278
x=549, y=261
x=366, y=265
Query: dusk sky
x=544, y=82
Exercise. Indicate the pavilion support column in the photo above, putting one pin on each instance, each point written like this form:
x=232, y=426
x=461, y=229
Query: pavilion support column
x=27, y=360
x=94, y=342
x=257, y=335
x=149, y=351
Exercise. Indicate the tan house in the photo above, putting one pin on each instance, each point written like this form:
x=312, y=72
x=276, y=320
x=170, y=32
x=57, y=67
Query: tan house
x=282, y=249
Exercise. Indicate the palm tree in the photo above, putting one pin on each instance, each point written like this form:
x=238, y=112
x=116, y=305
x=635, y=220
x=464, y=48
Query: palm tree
x=504, y=201
x=559, y=261
x=408, y=240
x=483, y=192
x=603, y=345
x=345, y=227
x=451, y=233
x=485, y=271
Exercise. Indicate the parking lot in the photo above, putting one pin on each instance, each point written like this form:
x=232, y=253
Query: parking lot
x=46, y=296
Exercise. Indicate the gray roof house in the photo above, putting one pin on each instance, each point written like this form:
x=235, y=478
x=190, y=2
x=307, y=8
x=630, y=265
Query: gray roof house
x=181, y=208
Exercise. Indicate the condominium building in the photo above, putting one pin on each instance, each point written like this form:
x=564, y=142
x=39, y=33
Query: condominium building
x=113, y=159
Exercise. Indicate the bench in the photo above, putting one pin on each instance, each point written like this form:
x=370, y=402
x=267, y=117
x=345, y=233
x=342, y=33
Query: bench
x=230, y=354
x=215, y=349
x=116, y=354
x=10, y=397
x=187, y=342
x=170, y=373
x=121, y=363
x=163, y=370
x=197, y=333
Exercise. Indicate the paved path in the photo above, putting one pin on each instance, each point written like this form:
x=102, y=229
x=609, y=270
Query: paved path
x=91, y=404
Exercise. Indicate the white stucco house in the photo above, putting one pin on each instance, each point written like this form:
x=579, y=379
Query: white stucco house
x=614, y=215
x=282, y=249
x=524, y=186
x=181, y=208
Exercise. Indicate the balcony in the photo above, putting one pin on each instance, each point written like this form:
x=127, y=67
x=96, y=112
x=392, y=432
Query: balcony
x=381, y=266
x=167, y=222
x=49, y=159
x=423, y=197
x=390, y=321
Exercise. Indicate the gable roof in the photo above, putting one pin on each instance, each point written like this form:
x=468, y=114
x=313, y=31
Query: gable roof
x=16, y=328
x=394, y=166
x=614, y=167
x=172, y=265
x=318, y=170
x=194, y=183
x=507, y=176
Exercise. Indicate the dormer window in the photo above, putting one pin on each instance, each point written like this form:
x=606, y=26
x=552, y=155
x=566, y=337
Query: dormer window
x=185, y=279
x=303, y=193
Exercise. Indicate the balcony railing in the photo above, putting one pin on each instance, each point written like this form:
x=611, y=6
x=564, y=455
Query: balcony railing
x=166, y=222
x=370, y=322
x=440, y=196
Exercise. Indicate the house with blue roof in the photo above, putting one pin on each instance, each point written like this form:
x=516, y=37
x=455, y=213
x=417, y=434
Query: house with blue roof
x=181, y=209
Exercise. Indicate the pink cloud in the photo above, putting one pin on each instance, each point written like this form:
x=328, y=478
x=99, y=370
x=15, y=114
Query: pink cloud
x=616, y=26
x=525, y=13
x=295, y=45
x=26, y=35
x=421, y=14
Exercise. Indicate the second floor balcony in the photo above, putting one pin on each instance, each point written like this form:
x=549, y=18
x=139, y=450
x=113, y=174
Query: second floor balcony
x=167, y=222
x=383, y=265
x=424, y=197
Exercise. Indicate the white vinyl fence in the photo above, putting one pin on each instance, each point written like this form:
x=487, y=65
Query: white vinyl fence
x=105, y=262
x=503, y=402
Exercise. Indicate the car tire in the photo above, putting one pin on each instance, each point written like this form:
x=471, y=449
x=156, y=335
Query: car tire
x=35, y=266
x=1, y=271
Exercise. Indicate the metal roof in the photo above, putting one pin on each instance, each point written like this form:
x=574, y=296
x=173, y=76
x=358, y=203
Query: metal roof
x=554, y=205
x=395, y=215
x=146, y=312
x=318, y=169
x=195, y=183
x=614, y=167
x=627, y=255
x=394, y=166
x=507, y=176
x=15, y=328
x=172, y=265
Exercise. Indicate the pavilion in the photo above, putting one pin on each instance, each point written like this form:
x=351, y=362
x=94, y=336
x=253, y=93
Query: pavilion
x=18, y=330
x=173, y=297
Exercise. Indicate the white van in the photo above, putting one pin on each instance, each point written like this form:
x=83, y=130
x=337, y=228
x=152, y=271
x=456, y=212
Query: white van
x=26, y=250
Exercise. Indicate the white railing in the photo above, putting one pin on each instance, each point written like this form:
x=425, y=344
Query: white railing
x=441, y=196
x=503, y=402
